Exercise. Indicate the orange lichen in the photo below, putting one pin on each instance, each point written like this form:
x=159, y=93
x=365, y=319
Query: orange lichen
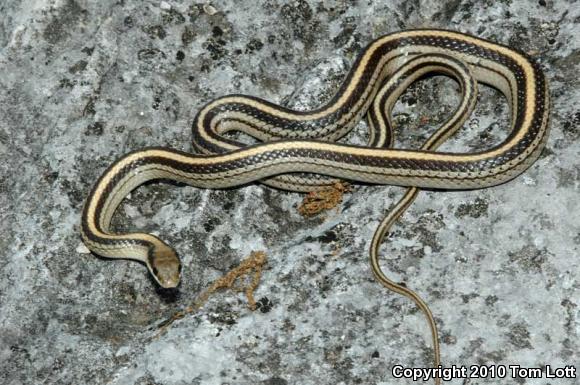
x=250, y=269
x=253, y=264
x=325, y=199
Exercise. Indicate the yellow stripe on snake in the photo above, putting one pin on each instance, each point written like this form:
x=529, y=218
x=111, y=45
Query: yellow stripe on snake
x=299, y=150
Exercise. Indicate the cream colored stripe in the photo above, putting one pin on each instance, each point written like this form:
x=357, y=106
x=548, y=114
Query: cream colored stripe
x=530, y=90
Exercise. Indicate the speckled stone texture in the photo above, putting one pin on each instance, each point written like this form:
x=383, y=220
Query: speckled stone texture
x=83, y=82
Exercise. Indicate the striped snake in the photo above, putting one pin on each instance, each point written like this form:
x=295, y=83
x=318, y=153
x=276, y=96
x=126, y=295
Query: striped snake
x=299, y=150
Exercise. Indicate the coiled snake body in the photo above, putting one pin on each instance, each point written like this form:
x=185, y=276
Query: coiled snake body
x=299, y=152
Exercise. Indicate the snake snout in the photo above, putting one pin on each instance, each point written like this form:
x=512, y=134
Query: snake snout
x=165, y=266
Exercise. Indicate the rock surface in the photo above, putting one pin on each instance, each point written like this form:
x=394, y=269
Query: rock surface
x=83, y=82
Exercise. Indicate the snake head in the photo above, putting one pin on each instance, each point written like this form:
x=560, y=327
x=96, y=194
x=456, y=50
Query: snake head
x=165, y=266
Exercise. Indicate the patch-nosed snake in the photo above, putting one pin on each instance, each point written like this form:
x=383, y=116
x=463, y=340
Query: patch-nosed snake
x=299, y=150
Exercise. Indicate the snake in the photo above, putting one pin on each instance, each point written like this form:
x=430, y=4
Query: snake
x=300, y=150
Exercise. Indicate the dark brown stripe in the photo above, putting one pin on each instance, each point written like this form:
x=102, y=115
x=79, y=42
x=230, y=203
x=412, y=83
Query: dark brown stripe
x=400, y=163
x=447, y=43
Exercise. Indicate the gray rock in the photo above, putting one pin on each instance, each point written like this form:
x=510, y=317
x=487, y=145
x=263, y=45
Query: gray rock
x=82, y=83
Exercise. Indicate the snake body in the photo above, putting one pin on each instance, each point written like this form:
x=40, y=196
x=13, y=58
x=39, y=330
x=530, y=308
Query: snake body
x=299, y=151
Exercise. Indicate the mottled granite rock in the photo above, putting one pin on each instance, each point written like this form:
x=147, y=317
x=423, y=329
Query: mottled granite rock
x=83, y=82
